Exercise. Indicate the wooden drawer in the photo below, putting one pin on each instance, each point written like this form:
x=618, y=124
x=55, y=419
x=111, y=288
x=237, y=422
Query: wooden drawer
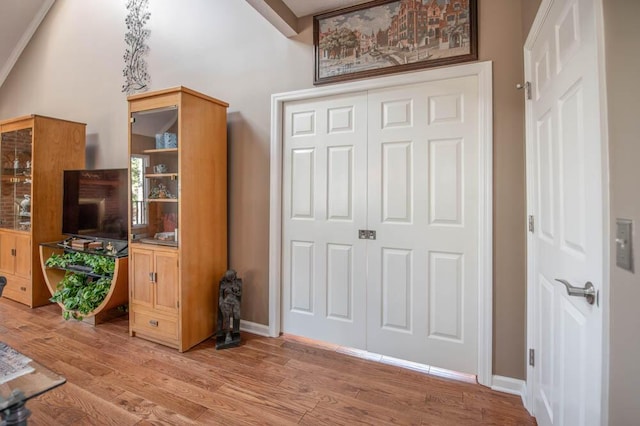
x=18, y=290
x=160, y=326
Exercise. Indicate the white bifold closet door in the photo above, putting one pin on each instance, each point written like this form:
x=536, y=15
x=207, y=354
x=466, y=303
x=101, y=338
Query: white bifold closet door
x=325, y=204
x=401, y=162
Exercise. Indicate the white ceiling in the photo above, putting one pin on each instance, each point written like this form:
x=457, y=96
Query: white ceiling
x=311, y=7
x=19, y=20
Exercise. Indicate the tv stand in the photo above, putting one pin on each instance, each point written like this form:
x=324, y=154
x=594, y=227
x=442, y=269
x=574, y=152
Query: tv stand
x=118, y=294
x=118, y=248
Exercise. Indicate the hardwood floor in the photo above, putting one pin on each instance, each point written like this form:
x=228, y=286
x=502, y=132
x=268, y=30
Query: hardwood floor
x=113, y=379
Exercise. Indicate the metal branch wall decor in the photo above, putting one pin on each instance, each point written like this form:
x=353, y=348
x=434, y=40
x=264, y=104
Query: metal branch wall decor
x=135, y=73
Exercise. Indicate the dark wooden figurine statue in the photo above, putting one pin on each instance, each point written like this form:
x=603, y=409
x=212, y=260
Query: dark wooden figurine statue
x=230, y=295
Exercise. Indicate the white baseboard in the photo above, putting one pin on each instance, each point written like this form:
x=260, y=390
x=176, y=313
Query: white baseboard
x=510, y=385
x=255, y=328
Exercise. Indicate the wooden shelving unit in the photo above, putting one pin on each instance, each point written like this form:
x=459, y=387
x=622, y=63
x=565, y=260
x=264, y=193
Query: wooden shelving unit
x=34, y=151
x=173, y=283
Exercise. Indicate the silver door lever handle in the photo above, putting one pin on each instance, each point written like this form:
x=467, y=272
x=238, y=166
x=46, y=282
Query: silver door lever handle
x=588, y=292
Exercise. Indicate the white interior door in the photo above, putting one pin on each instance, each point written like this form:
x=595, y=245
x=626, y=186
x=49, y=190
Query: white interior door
x=324, y=205
x=566, y=199
x=402, y=162
x=423, y=204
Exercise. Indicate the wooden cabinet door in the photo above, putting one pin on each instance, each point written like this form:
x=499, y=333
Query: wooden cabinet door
x=7, y=259
x=166, y=288
x=141, y=262
x=22, y=256
x=15, y=255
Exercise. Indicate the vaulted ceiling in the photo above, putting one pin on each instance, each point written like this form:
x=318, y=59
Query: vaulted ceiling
x=309, y=7
x=19, y=20
x=284, y=14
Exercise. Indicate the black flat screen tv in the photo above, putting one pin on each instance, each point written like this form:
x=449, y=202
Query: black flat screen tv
x=95, y=204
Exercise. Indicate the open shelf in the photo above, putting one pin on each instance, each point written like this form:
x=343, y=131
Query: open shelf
x=168, y=243
x=14, y=172
x=98, y=252
x=118, y=294
x=161, y=150
x=85, y=272
x=16, y=179
x=161, y=200
x=162, y=175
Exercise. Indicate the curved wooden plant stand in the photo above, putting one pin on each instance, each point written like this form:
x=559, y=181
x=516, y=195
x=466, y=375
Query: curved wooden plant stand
x=118, y=293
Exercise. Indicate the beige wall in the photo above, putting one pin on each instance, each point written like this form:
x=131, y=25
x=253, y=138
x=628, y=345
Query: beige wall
x=498, y=18
x=529, y=11
x=73, y=69
x=622, y=43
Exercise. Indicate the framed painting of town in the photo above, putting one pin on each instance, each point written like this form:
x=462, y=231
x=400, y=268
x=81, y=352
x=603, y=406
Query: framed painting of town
x=388, y=36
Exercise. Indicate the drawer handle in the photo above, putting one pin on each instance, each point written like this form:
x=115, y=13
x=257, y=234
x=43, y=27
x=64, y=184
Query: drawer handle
x=154, y=323
x=23, y=288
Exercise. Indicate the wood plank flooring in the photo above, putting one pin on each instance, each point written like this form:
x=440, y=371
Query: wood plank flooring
x=113, y=379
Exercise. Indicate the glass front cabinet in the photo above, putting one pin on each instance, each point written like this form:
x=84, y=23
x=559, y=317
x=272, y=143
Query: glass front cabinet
x=154, y=176
x=178, y=215
x=15, y=151
x=34, y=151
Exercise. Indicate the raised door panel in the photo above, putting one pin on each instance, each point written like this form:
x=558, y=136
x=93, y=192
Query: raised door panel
x=7, y=259
x=23, y=256
x=166, y=287
x=141, y=285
